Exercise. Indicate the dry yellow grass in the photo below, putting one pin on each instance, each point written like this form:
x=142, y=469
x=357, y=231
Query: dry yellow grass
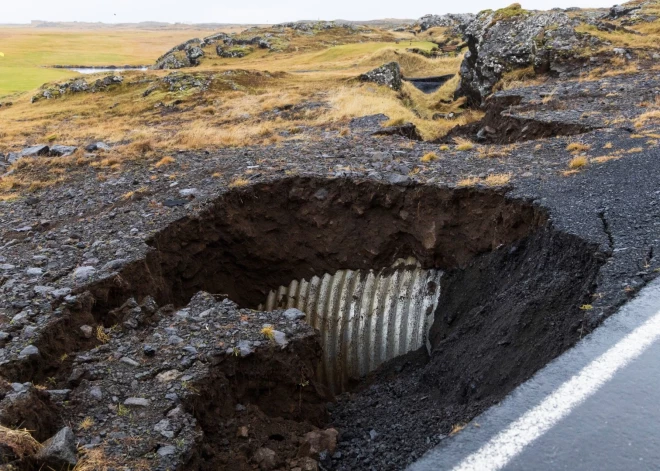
x=86, y=423
x=101, y=336
x=268, y=332
x=578, y=162
x=548, y=98
x=577, y=147
x=649, y=116
x=164, y=162
x=239, y=182
x=236, y=110
x=605, y=158
x=21, y=441
x=463, y=144
x=430, y=157
x=469, y=181
x=94, y=459
x=491, y=152
x=456, y=428
x=497, y=179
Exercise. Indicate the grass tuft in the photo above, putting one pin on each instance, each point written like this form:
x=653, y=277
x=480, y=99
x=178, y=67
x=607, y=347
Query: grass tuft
x=164, y=161
x=497, y=179
x=86, y=423
x=463, y=144
x=21, y=441
x=94, y=459
x=469, y=181
x=430, y=157
x=239, y=182
x=101, y=336
x=577, y=147
x=268, y=332
x=578, y=162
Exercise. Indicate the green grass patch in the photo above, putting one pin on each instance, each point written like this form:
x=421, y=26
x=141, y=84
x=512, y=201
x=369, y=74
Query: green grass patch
x=29, y=52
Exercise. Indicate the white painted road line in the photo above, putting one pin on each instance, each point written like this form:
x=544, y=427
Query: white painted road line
x=507, y=444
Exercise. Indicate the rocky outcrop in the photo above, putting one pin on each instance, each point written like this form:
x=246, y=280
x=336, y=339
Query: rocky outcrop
x=388, y=74
x=512, y=38
x=184, y=55
x=448, y=20
x=618, y=11
x=78, y=85
x=307, y=26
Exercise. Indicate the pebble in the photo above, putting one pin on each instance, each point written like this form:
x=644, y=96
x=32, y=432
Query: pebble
x=137, y=401
x=166, y=450
x=96, y=393
x=29, y=351
x=129, y=361
x=86, y=331
x=84, y=273
x=148, y=351
x=60, y=293
x=294, y=314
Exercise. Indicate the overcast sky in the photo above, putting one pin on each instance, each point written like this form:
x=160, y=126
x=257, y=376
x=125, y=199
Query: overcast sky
x=250, y=11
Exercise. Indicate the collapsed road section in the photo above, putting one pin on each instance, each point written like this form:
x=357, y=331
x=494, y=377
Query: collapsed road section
x=179, y=367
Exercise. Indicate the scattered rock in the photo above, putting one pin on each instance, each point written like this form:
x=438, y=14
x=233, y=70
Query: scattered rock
x=318, y=441
x=137, y=402
x=84, y=273
x=62, y=151
x=96, y=146
x=35, y=151
x=408, y=130
x=29, y=352
x=60, y=450
x=166, y=450
x=294, y=314
x=266, y=459
x=186, y=54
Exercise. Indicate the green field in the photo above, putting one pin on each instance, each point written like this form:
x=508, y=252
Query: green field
x=28, y=52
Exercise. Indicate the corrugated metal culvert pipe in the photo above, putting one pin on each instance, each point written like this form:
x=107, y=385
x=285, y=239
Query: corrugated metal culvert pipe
x=365, y=317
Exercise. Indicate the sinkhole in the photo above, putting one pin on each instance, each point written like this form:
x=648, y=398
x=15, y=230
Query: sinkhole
x=481, y=281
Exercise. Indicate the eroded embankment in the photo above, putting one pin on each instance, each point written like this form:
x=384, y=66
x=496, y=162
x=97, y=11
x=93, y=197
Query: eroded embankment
x=509, y=302
x=505, y=124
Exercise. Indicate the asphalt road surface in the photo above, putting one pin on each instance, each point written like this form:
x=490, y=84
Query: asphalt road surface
x=597, y=407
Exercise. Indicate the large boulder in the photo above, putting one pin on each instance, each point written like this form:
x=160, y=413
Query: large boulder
x=513, y=38
x=388, y=75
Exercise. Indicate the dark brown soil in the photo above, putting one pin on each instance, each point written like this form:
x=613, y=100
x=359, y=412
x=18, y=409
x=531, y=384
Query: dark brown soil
x=279, y=406
x=250, y=241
